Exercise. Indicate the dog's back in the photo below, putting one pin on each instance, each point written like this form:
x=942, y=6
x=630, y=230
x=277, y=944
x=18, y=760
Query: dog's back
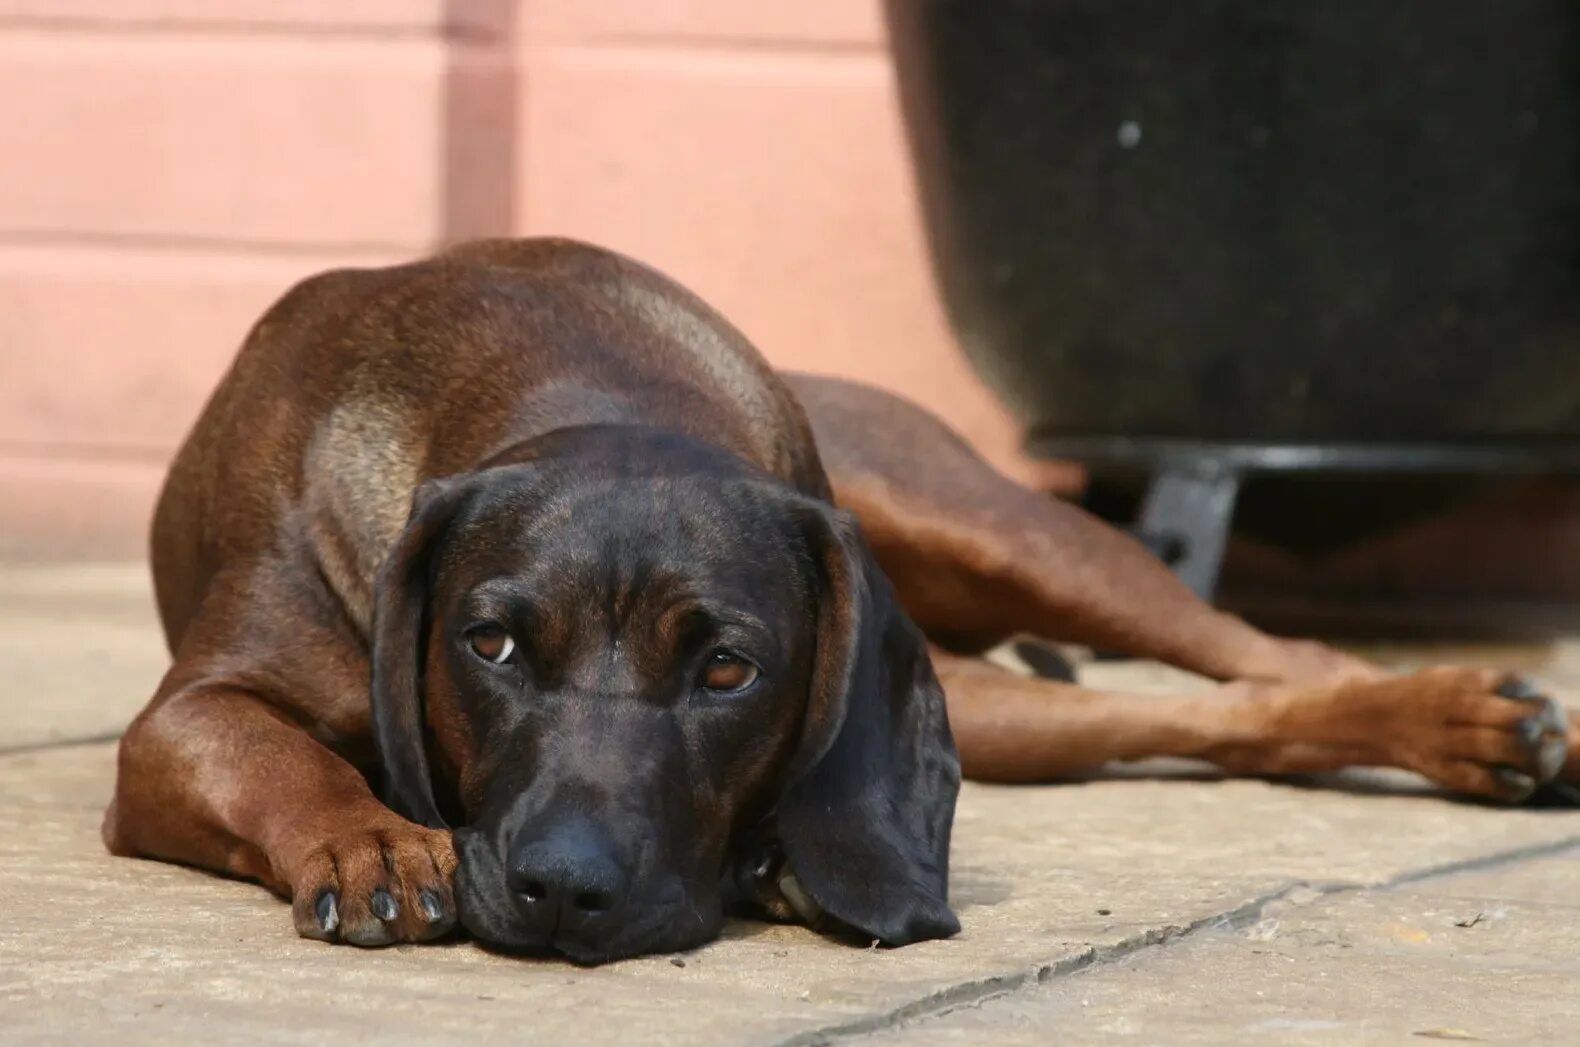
x=359, y=384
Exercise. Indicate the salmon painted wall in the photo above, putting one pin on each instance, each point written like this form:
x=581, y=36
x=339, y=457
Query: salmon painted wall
x=173, y=165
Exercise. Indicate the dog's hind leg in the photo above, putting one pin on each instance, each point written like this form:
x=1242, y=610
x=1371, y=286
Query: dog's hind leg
x=1476, y=732
x=975, y=557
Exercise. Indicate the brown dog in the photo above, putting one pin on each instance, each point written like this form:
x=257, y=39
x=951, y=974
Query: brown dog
x=577, y=542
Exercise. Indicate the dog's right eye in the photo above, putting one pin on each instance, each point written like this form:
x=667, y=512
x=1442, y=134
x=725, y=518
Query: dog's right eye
x=491, y=643
x=727, y=673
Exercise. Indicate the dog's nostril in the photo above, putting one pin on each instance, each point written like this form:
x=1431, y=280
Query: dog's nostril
x=593, y=901
x=564, y=871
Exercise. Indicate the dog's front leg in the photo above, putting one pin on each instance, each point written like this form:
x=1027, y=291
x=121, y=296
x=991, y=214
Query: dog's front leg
x=212, y=775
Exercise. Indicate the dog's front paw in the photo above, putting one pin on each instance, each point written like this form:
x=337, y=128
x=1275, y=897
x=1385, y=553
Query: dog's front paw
x=376, y=886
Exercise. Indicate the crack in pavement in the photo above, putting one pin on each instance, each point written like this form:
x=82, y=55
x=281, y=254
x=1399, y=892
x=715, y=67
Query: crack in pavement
x=27, y=748
x=51, y=744
x=977, y=992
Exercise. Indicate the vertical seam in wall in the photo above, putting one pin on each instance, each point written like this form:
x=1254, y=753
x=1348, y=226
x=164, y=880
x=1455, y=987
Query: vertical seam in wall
x=479, y=151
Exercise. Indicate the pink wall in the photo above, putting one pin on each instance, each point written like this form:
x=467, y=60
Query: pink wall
x=172, y=165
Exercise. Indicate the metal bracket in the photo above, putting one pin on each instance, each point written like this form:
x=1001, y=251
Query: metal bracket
x=1186, y=516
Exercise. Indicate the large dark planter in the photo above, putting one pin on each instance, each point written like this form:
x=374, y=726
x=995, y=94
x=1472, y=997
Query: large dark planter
x=1336, y=230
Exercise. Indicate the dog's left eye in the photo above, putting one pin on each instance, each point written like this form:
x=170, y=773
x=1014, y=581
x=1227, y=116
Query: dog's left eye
x=725, y=672
x=491, y=643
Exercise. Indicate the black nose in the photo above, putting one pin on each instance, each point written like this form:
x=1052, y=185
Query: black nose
x=569, y=873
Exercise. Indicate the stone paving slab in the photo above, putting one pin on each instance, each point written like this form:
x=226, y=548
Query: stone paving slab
x=1490, y=955
x=1047, y=879
x=80, y=651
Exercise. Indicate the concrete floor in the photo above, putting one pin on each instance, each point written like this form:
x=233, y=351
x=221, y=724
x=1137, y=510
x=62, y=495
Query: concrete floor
x=1134, y=909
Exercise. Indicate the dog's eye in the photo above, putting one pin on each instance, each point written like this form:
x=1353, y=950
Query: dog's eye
x=725, y=672
x=491, y=643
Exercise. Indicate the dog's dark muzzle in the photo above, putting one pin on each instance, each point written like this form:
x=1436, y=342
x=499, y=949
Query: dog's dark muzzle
x=566, y=889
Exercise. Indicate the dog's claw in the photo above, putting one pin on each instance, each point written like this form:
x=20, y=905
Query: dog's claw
x=1551, y=757
x=1519, y=784
x=327, y=909
x=384, y=906
x=1545, y=734
x=1548, y=747
x=1519, y=688
x=432, y=910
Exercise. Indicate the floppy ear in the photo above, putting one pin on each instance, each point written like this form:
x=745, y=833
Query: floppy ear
x=865, y=818
x=399, y=645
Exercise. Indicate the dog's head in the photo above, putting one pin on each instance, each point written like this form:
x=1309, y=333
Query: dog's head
x=633, y=656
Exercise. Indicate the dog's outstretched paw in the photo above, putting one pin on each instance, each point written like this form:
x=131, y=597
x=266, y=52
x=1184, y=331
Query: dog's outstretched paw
x=1503, y=738
x=1478, y=732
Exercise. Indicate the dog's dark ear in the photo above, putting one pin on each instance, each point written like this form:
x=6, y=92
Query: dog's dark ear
x=400, y=614
x=865, y=817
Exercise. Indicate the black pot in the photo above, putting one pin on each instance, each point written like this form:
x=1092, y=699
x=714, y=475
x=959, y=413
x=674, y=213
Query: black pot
x=1256, y=221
